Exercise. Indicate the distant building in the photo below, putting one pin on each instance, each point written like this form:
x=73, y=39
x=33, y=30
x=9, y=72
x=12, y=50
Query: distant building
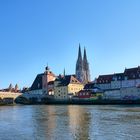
x=90, y=92
x=121, y=85
x=82, y=67
x=8, y=95
x=66, y=86
x=12, y=89
x=48, y=81
x=43, y=83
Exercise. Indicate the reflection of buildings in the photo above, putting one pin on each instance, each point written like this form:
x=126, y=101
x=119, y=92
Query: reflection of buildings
x=60, y=122
x=45, y=122
x=79, y=122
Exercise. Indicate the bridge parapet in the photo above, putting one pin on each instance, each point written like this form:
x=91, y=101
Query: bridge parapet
x=9, y=95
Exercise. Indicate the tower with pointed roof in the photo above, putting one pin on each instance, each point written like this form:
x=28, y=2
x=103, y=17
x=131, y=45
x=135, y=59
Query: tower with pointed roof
x=86, y=70
x=79, y=66
x=82, y=67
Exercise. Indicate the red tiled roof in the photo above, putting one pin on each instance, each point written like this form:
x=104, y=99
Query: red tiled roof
x=105, y=78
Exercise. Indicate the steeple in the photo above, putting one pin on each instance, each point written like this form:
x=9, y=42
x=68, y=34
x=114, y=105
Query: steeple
x=10, y=87
x=86, y=68
x=79, y=66
x=82, y=67
x=64, y=72
x=85, y=54
x=16, y=87
x=79, y=53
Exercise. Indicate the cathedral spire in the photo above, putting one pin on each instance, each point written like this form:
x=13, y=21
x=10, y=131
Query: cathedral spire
x=64, y=73
x=79, y=66
x=79, y=53
x=85, y=54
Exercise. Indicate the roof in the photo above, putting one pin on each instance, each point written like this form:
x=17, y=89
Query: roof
x=132, y=70
x=89, y=86
x=66, y=80
x=131, y=73
x=118, y=76
x=37, y=84
x=105, y=78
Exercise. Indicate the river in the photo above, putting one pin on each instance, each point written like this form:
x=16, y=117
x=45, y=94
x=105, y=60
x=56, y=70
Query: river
x=69, y=122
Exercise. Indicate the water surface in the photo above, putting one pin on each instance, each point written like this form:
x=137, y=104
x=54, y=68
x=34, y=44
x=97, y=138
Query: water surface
x=42, y=122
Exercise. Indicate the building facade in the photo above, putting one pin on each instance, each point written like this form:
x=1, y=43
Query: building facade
x=66, y=87
x=120, y=85
x=43, y=83
x=82, y=67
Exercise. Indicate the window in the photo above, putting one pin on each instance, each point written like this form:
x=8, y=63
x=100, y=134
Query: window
x=125, y=78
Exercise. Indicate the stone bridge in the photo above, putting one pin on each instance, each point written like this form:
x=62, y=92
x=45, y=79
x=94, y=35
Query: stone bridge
x=4, y=95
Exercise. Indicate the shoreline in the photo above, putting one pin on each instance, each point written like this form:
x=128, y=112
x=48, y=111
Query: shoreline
x=81, y=102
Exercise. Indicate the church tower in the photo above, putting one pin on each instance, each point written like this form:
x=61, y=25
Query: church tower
x=86, y=68
x=79, y=66
x=82, y=67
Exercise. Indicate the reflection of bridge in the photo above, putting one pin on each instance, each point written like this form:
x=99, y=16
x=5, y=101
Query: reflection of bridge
x=11, y=95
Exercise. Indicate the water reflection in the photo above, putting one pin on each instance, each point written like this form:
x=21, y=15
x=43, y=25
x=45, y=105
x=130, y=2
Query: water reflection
x=69, y=122
x=54, y=122
x=79, y=122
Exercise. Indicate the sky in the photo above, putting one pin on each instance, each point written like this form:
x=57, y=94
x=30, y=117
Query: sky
x=34, y=33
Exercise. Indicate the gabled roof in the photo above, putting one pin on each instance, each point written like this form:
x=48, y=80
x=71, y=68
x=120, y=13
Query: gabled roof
x=89, y=86
x=37, y=84
x=105, y=78
x=66, y=80
x=132, y=70
x=132, y=73
x=118, y=76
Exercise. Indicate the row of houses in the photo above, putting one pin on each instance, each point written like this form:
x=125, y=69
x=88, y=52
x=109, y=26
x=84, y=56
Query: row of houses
x=129, y=78
x=60, y=87
x=124, y=85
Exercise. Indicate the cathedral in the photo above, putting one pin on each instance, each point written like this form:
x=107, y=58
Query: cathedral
x=82, y=67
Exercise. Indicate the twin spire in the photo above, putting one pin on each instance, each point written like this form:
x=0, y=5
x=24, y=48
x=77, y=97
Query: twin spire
x=82, y=67
x=80, y=54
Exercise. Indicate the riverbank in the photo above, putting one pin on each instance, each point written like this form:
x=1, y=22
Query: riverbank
x=46, y=101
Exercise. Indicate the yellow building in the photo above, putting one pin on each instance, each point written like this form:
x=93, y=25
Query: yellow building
x=66, y=86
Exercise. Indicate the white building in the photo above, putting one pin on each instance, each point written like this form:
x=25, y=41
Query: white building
x=120, y=85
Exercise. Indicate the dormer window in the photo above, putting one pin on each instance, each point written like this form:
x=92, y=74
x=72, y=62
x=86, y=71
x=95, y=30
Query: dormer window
x=125, y=78
x=38, y=85
x=115, y=78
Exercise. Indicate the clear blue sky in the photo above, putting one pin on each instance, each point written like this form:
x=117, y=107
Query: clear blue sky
x=36, y=32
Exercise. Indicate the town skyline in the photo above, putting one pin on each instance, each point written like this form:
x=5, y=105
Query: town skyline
x=35, y=33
